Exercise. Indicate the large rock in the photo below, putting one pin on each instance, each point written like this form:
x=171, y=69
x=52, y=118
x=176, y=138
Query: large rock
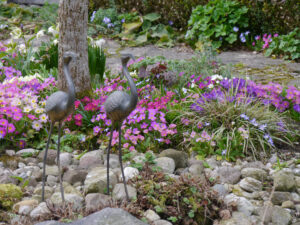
x=107, y=216
x=41, y=211
x=237, y=218
x=161, y=222
x=180, y=158
x=27, y=151
x=119, y=192
x=73, y=176
x=51, y=156
x=256, y=173
x=279, y=197
x=280, y=216
x=114, y=161
x=166, y=164
x=96, y=180
x=52, y=170
x=243, y=204
x=95, y=201
x=38, y=192
x=75, y=200
x=229, y=174
x=250, y=184
x=9, y=193
x=284, y=181
x=91, y=159
x=151, y=215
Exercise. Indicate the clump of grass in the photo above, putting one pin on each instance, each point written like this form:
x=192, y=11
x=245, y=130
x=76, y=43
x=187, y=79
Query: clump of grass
x=231, y=125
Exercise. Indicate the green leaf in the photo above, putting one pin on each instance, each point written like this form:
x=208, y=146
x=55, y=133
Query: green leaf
x=159, y=31
x=158, y=209
x=131, y=27
x=151, y=17
x=231, y=38
x=142, y=38
x=191, y=214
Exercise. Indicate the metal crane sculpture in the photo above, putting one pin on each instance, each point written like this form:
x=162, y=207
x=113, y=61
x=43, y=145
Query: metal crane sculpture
x=58, y=106
x=118, y=106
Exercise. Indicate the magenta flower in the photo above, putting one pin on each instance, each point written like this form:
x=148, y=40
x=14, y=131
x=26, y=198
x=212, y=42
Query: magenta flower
x=10, y=128
x=3, y=123
x=96, y=130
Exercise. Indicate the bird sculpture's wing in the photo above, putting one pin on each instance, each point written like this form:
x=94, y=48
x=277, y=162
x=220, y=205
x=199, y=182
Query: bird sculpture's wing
x=57, y=102
x=115, y=105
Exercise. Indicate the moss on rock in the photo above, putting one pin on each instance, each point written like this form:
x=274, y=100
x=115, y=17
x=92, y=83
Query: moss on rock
x=9, y=194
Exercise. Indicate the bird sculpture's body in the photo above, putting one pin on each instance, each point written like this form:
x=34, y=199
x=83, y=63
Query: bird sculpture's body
x=58, y=106
x=118, y=106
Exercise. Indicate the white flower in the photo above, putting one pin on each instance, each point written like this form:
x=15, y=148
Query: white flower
x=40, y=34
x=16, y=33
x=22, y=48
x=133, y=74
x=55, y=41
x=210, y=86
x=216, y=76
x=52, y=30
x=27, y=109
x=32, y=58
x=100, y=43
x=192, y=85
x=184, y=90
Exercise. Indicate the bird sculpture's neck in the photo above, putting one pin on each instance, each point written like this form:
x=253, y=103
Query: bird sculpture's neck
x=71, y=88
x=134, y=94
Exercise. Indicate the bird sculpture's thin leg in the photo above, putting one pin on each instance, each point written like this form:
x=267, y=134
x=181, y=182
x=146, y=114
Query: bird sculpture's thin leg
x=120, y=159
x=108, y=151
x=44, y=163
x=58, y=163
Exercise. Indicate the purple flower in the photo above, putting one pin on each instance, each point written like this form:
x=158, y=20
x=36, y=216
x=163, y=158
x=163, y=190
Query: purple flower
x=296, y=107
x=257, y=37
x=93, y=16
x=110, y=25
x=247, y=32
x=171, y=22
x=235, y=29
x=244, y=116
x=275, y=35
x=123, y=20
x=253, y=122
x=263, y=127
x=224, y=152
x=106, y=20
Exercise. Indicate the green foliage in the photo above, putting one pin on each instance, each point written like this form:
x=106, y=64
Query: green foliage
x=215, y=21
x=287, y=45
x=182, y=201
x=177, y=11
x=267, y=16
x=9, y=194
x=97, y=61
x=48, y=53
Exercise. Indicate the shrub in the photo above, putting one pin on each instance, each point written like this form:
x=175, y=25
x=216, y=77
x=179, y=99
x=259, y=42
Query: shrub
x=267, y=16
x=217, y=22
x=288, y=45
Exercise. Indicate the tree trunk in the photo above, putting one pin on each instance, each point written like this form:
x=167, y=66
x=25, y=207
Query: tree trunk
x=73, y=18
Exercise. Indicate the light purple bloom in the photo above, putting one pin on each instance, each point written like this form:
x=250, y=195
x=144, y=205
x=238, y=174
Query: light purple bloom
x=106, y=20
x=224, y=152
x=123, y=20
x=93, y=16
x=235, y=29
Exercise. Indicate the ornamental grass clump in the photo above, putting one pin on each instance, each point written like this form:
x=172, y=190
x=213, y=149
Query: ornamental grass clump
x=186, y=200
x=230, y=122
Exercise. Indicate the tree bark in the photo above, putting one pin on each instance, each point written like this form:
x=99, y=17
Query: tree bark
x=73, y=18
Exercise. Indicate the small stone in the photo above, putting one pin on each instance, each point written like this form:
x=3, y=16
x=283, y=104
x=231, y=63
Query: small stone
x=266, y=212
x=96, y=180
x=129, y=172
x=180, y=157
x=10, y=152
x=65, y=159
x=51, y=156
x=26, y=151
x=279, y=197
x=280, y=216
x=41, y=211
x=95, y=201
x=25, y=210
x=228, y=174
x=297, y=207
x=31, y=203
x=296, y=171
x=51, y=180
x=48, y=192
x=51, y=170
x=255, y=173
x=250, y=184
x=119, y=192
x=288, y=204
x=295, y=197
x=91, y=159
x=284, y=181
x=139, y=158
x=212, y=162
x=166, y=164
x=237, y=218
x=151, y=215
